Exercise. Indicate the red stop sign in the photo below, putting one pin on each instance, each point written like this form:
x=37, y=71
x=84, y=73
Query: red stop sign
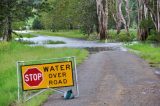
x=33, y=77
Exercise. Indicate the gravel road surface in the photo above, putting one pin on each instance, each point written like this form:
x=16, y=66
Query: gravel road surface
x=114, y=78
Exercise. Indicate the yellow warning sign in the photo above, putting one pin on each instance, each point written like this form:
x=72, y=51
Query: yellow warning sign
x=50, y=75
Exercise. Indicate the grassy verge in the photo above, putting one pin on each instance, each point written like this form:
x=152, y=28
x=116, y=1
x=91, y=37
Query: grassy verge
x=45, y=42
x=23, y=35
x=27, y=35
x=26, y=42
x=12, y=52
x=53, y=42
x=68, y=34
x=148, y=52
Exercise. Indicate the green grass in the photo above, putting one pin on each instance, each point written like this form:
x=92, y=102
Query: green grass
x=68, y=34
x=38, y=100
x=12, y=52
x=23, y=35
x=53, y=42
x=45, y=42
x=147, y=52
x=28, y=35
x=26, y=42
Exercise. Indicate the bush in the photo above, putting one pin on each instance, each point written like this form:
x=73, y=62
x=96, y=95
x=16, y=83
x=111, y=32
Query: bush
x=93, y=37
x=37, y=24
x=26, y=42
x=154, y=37
x=18, y=25
x=146, y=23
x=122, y=37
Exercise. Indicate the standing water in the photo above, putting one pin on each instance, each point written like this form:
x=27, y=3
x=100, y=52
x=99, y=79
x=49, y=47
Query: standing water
x=92, y=46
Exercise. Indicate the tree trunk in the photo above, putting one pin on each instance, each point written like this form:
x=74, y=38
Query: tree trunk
x=128, y=16
x=118, y=26
x=154, y=8
x=139, y=31
x=142, y=32
x=120, y=14
x=121, y=18
x=158, y=16
x=7, y=32
x=7, y=26
x=102, y=13
x=118, y=23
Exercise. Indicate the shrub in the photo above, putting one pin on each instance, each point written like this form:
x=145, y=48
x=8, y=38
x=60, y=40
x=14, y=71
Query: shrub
x=18, y=25
x=37, y=24
x=154, y=36
x=122, y=37
x=26, y=42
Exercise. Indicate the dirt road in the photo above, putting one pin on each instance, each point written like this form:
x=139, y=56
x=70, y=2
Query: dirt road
x=114, y=78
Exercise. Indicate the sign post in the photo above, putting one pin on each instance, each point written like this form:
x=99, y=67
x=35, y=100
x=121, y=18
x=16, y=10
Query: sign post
x=48, y=75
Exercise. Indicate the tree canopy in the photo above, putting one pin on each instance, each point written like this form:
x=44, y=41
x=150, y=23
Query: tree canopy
x=17, y=10
x=87, y=15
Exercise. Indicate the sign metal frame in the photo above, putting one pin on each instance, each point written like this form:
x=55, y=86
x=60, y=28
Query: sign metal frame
x=21, y=93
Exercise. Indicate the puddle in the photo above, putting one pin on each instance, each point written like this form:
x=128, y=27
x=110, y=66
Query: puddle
x=93, y=50
x=157, y=72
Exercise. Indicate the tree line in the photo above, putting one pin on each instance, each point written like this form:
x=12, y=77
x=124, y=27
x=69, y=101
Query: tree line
x=87, y=15
x=147, y=16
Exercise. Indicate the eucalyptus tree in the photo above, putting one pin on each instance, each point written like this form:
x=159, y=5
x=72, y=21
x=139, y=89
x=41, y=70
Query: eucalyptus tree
x=115, y=14
x=148, y=10
x=102, y=13
x=158, y=16
x=153, y=7
x=121, y=13
x=122, y=18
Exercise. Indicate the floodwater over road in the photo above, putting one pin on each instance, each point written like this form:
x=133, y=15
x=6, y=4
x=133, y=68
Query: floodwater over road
x=74, y=43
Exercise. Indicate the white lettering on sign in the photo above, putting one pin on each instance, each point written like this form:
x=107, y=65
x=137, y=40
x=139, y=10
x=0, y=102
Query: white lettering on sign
x=32, y=77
